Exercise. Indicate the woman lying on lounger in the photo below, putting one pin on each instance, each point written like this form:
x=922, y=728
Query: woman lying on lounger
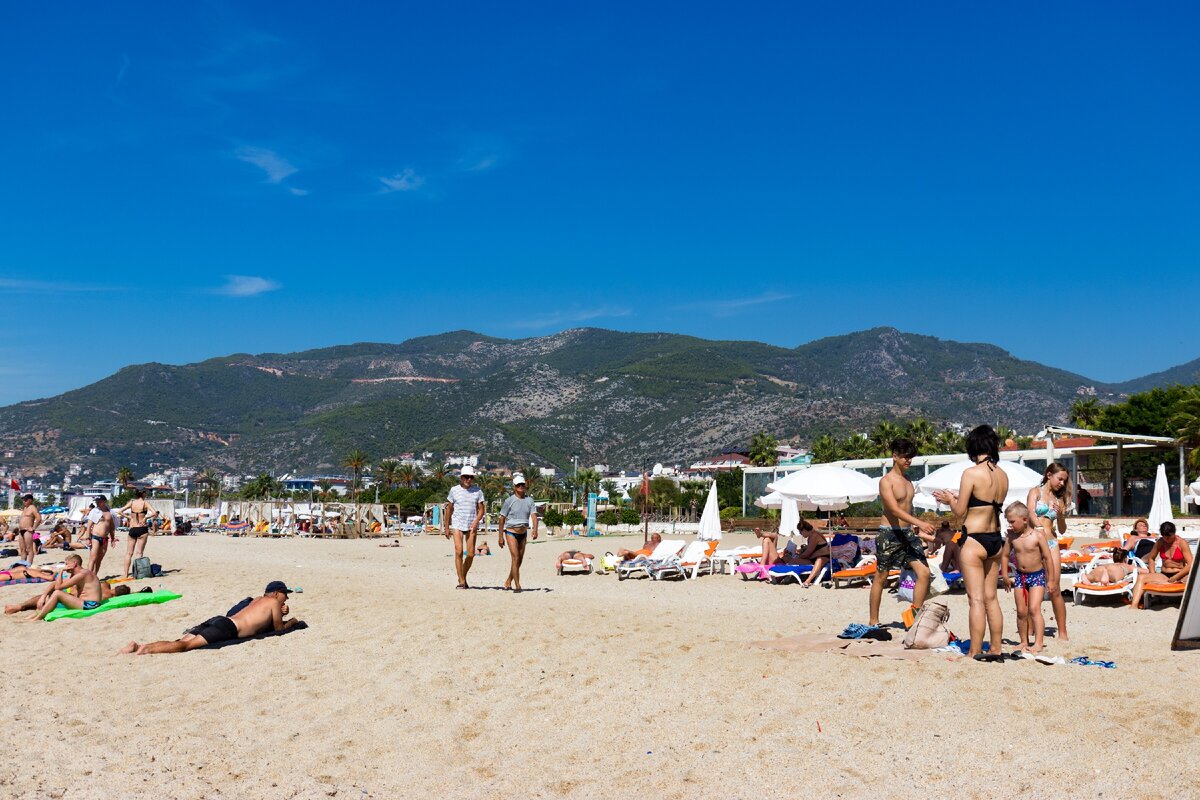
x=19, y=572
x=1105, y=574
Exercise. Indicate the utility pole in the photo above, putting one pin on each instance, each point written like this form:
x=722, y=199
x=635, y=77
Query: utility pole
x=574, y=479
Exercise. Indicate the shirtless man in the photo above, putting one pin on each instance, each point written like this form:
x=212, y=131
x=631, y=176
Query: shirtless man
x=30, y=519
x=139, y=512
x=897, y=546
x=569, y=555
x=465, y=512
x=629, y=555
x=60, y=536
x=101, y=530
x=262, y=614
x=88, y=593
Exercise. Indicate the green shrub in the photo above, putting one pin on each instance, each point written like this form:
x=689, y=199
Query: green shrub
x=574, y=517
x=610, y=516
x=630, y=516
x=730, y=512
x=553, y=518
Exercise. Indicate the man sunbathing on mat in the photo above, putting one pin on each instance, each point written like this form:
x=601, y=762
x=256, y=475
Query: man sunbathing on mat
x=89, y=593
x=571, y=555
x=260, y=615
x=629, y=555
x=107, y=592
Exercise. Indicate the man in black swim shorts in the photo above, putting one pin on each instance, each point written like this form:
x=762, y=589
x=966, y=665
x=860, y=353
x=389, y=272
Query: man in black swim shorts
x=260, y=615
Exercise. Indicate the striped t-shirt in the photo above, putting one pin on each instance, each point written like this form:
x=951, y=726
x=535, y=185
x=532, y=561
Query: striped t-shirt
x=464, y=503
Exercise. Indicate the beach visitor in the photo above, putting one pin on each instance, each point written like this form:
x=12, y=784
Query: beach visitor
x=977, y=503
x=260, y=615
x=88, y=594
x=770, y=552
x=1176, y=557
x=482, y=549
x=139, y=513
x=947, y=544
x=1116, y=572
x=27, y=548
x=628, y=555
x=462, y=521
x=1135, y=543
x=902, y=537
x=568, y=555
x=101, y=531
x=1048, y=502
x=814, y=552
x=60, y=536
x=1105, y=529
x=1026, y=546
x=20, y=572
x=518, y=519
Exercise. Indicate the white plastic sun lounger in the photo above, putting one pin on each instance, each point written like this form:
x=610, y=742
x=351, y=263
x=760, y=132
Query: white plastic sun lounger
x=666, y=549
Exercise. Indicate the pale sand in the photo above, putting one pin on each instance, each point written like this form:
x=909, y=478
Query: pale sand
x=588, y=687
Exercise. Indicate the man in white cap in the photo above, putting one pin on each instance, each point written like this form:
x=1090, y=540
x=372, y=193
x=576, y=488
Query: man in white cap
x=517, y=516
x=465, y=514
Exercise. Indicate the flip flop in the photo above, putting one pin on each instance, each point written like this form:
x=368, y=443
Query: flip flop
x=990, y=658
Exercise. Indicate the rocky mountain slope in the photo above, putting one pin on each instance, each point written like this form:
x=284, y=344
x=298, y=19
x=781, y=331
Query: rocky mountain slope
x=605, y=396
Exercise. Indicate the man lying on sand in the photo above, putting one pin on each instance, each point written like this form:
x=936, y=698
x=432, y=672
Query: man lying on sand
x=629, y=555
x=262, y=614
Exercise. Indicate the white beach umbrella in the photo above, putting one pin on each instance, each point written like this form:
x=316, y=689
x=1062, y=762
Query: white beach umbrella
x=827, y=487
x=710, y=520
x=1020, y=480
x=1160, y=509
x=770, y=500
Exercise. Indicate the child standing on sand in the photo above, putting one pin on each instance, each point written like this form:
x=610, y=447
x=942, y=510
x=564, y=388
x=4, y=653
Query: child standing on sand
x=1027, y=546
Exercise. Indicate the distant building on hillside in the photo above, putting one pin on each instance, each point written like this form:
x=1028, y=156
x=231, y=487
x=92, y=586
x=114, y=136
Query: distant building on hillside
x=709, y=466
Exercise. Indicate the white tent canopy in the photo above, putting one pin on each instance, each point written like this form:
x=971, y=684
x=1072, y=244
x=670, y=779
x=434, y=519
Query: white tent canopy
x=1160, y=508
x=710, y=520
x=827, y=487
x=1020, y=480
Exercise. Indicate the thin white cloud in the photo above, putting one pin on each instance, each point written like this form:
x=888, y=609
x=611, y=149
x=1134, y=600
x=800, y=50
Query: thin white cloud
x=481, y=164
x=569, y=317
x=46, y=287
x=726, y=308
x=246, y=286
x=298, y=192
x=405, y=181
x=121, y=72
x=274, y=165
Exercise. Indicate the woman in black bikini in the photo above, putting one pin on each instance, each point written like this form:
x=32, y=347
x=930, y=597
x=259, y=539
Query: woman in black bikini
x=979, y=502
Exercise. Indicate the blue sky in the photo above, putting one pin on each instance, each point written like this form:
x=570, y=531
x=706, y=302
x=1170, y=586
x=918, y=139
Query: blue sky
x=189, y=180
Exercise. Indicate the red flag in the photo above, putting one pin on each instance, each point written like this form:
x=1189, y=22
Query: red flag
x=16, y=487
x=645, y=489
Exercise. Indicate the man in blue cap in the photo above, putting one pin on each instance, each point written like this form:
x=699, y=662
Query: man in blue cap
x=260, y=615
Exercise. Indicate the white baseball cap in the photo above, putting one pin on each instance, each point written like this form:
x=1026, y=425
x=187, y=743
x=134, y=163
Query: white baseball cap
x=518, y=478
x=467, y=470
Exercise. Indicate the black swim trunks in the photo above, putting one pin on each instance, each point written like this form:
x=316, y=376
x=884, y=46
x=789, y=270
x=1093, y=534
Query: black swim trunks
x=137, y=533
x=217, y=629
x=896, y=548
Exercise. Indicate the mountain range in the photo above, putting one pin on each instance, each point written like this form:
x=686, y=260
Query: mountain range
x=605, y=396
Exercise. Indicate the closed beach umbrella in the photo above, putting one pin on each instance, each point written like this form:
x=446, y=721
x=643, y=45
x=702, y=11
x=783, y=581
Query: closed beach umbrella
x=1160, y=509
x=827, y=487
x=710, y=520
x=789, y=517
x=1020, y=480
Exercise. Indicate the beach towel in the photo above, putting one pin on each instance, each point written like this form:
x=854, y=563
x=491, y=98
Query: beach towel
x=125, y=601
x=19, y=581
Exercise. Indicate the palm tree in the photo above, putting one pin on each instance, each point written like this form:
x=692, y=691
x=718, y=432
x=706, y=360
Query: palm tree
x=1186, y=422
x=858, y=445
x=124, y=476
x=610, y=489
x=210, y=486
x=356, y=461
x=883, y=435
x=587, y=479
x=324, y=488
x=1085, y=412
x=949, y=442
x=408, y=474
x=762, y=450
x=1005, y=433
x=389, y=472
x=264, y=487
x=439, y=472
x=825, y=448
x=923, y=434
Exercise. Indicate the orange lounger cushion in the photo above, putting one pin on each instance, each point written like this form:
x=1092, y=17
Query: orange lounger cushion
x=1096, y=587
x=856, y=572
x=1165, y=588
x=1098, y=545
x=1065, y=542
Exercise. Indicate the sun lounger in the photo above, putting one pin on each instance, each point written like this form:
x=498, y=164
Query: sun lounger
x=735, y=556
x=666, y=549
x=1161, y=590
x=782, y=573
x=688, y=563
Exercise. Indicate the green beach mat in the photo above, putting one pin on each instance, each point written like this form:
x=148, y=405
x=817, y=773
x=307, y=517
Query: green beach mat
x=124, y=601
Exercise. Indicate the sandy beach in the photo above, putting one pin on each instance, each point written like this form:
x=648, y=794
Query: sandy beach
x=582, y=686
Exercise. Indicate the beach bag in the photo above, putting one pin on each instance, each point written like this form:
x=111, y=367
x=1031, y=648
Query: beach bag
x=141, y=568
x=937, y=581
x=908, y=582
x=929, y=630
x=608, y=562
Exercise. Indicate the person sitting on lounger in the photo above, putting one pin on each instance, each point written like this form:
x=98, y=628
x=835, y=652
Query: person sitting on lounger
x=1139, y=534
x=629, y=555
x=1176, y=557
x=88, y=594
x=260, y=615
x=1117, y=571
x=814, y=552
x=570, y=555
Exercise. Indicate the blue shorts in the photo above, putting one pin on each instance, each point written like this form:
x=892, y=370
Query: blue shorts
x=1027, y=580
